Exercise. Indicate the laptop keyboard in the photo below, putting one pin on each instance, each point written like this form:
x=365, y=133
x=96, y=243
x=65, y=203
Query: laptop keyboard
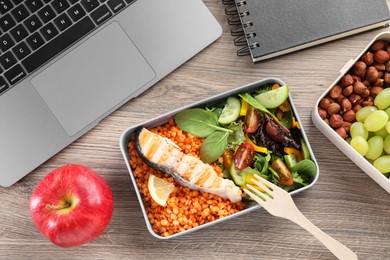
x=34, y=31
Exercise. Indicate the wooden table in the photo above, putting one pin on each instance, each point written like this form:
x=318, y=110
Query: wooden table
x=345, y=202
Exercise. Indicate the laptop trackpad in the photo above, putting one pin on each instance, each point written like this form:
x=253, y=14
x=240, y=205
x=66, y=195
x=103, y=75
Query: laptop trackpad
x=93, y=78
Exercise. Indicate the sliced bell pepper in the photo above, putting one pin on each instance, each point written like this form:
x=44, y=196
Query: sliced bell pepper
x=285, y=107
x=244, y=107
x=295, y=123
x=296, y=152
x=257, y=148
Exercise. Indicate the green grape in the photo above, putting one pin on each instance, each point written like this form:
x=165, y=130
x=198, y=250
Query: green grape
x=386, y=144
x=388, y=127
x=362, y=113
x=358, y=129
x=388, y=111
x=382, y=132
x=359, y=144
x=382, y=164
x=375, y=147
x=382, y=100
x=376, y=120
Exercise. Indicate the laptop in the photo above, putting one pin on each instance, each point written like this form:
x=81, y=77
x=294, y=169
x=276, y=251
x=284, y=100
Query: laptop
x=67, y=64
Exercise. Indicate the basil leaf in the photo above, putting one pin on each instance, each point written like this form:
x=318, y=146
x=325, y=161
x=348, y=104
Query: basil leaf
x=213, y=146
x=305, y=167
x=196, y=121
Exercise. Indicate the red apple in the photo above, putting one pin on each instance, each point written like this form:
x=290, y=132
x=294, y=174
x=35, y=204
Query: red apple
x=72, y=205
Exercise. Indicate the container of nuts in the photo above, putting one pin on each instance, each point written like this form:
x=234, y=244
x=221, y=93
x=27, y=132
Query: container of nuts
x=354, y=112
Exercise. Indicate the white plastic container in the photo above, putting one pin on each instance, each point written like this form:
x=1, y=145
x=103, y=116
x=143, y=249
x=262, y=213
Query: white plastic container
x=359, y=160
x=124, y=140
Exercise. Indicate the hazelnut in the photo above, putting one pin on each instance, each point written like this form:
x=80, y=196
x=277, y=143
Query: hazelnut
x=356, y=107
x=381, y=56
x=335, y=91
x=322, y=113
x=366, y=83
x=366, y=93
x=346, y=80
x=336, y=121
x=366, y=103
x=372, y=74
x=360, y=69
x=378, y=45
x=386, y=77
x=354, y=99
x=326, y=120
x=348, y=90
x=387, y=66
x=356, y=78
x=378, y=82
x=359, y=87
x=325, y=102
x=347, y=126
x=333, y=108
x=368, y=58
x=346, y=105
x=379, y=66
x=349, y=116
x=341, y=132
x=339, y=98
x=375, y=91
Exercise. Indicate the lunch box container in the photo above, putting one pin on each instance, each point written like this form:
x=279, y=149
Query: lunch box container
x=125, y=138
x=339, y=142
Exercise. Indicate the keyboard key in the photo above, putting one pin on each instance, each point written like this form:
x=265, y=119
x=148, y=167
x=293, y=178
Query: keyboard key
x=60, y=5
x=7, y=60
x=89, y=5
x=15, y=74
x=49, y=31
x=35, y=41
x=76, y=12
x=33, y=23
x=33, y=5
x=19, y=33
x=129, y=1
x=21, y=50
x=62, y=22
x=46, y=13
x=20, y=13
x=16, y=2
x=58, y=44
x=101, y=14
x=6, y=42
x=5, y=6
x=73, y=1
x=116, y=5
x=3, y=84
x=6, y=22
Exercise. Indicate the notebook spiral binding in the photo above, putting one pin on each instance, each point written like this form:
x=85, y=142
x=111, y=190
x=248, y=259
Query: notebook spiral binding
x=241, y=35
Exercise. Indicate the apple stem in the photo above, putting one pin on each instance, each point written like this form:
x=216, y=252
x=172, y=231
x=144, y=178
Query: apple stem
x=60, y=206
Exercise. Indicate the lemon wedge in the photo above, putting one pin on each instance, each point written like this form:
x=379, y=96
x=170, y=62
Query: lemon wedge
x=160, y=189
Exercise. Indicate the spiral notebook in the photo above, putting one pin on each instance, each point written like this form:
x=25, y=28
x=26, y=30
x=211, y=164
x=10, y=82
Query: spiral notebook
x=268, y=28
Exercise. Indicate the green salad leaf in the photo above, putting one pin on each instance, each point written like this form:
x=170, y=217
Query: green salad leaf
x=213, y=146
x=305, y=167
x=198, y=121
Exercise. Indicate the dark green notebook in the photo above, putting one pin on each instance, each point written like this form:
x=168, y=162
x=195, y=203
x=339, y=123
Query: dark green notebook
x=270, y=28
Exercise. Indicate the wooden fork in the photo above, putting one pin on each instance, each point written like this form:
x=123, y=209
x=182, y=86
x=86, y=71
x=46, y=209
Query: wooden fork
x=278, y=202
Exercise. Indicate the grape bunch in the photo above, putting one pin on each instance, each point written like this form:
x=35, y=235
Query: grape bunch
x=370, y=134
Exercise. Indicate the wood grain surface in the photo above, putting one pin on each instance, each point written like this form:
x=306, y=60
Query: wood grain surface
x=345, y=202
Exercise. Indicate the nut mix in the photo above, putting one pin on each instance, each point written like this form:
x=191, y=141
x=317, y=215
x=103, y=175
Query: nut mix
x=357, y=88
